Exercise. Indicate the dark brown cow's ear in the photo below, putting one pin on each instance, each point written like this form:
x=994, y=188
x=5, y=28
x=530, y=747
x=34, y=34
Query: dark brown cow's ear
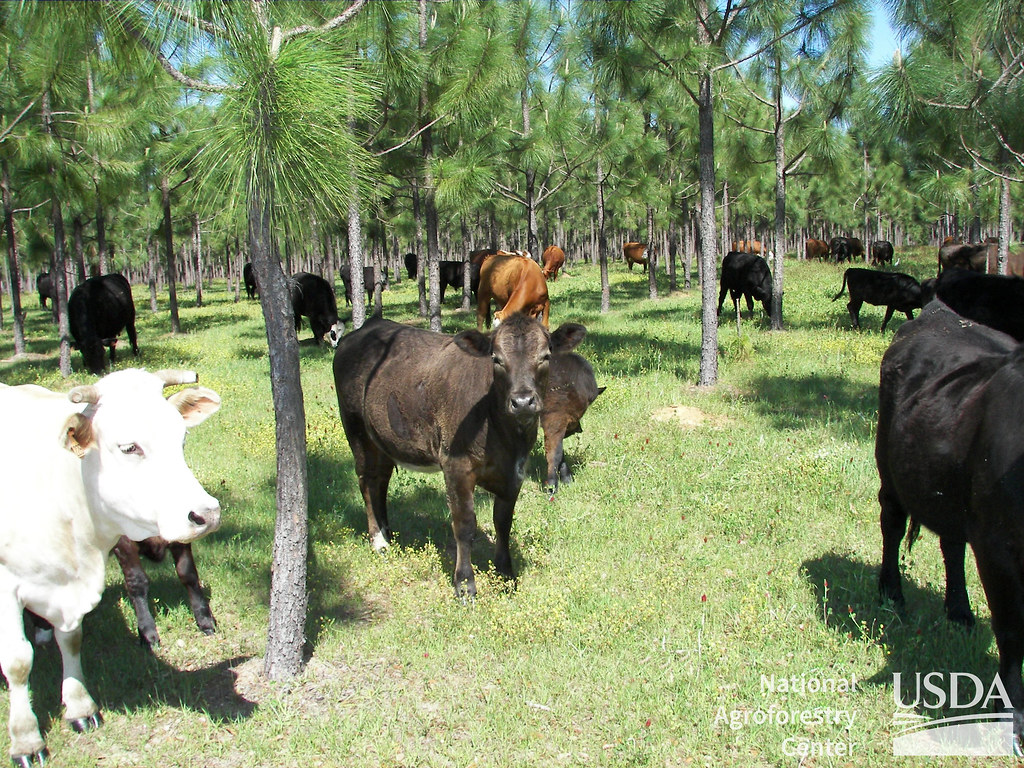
x=567, y=336
x=77, y=434
x=600, y=390
x=474, y=342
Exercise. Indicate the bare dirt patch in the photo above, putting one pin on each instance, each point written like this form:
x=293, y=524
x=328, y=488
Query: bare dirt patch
x=688, y=417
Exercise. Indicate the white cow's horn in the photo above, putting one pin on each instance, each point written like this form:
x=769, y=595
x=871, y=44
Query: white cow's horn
x=86, y=393
x=171, y=376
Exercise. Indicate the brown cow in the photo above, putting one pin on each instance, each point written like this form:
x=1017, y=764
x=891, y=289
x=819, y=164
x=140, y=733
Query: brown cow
x=553, y=259
x=571, y=389
x=467, y=404
x=516, y=283
x=633, y=253
x=816, y=249
x=972, y=256
x=747, y=246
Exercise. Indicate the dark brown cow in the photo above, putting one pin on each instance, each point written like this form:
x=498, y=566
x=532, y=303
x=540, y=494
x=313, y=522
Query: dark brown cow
x=948, y=449
x=856, y=248
x=747, y=246
x=467, y=404
x=516, y=283
x=882, y=252
x=553, y=259
x=571, y=389
x=892, y=290
x=993, y=300
x=816, y=249
x=633, y=253
x=137, y=583
x=972, y=256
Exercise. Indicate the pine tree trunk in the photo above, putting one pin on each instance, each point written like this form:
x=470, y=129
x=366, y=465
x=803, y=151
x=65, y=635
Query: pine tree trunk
x=602, y=242
x=780, y=206
x=13, y=265
x=708, y=375
x=170, y=266
x=197, y=247
x=288, y=597
x=355, y=262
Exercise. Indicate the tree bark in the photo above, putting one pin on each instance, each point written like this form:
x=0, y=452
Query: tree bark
x=13, y=265
x=708, y=375
x=780, y=205
x=170, y=266
x=288, y=598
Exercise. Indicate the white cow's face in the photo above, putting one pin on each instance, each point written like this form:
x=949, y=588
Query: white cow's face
x=134, y=466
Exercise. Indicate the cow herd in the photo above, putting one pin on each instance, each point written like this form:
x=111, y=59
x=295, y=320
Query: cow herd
x=104, y=470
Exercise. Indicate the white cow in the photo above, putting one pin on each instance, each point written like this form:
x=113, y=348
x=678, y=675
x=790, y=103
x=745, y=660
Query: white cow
x=77, y=471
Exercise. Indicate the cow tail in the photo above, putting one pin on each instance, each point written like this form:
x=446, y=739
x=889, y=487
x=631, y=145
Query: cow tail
x=841, y=290
x=912, y=533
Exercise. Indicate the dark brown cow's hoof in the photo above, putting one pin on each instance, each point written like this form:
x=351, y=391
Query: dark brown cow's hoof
x=83, y=724
x=26, y=761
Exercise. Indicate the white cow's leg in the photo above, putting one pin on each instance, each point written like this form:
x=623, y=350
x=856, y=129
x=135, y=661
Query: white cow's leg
x=16, y=661
x=79, y=708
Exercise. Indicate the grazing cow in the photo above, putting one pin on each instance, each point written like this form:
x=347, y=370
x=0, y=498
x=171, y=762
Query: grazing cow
x=747, y=246
x=746, y=274
x=856, y=248
x=571, y=389
x=46, y=288
x=553, y=259
x=881, y=252
x=816, y=249
x=369, y=282
x=467, y=404
x=450, y=273
x=313, y=297
x=948, y=449
x=993, y=300
x=633, y=253
x=892, y=290
x=128, y=554
x=839, y=247
x=87, y=467
x=516, y=283
x=98, y=310
x=249, y=280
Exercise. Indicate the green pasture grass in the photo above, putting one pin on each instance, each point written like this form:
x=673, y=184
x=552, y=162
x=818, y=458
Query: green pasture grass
x=712, y=539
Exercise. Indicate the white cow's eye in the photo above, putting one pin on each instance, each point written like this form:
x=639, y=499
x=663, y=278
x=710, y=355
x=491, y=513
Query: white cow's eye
x=131, y=449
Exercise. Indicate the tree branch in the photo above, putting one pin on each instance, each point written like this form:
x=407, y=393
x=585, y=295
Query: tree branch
x=170, y=69
x=337, y=21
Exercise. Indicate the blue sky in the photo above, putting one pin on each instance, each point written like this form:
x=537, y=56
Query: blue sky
x=883, y=41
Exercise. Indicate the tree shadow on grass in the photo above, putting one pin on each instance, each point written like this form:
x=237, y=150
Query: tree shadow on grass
x=795, y=402
x=918, y=638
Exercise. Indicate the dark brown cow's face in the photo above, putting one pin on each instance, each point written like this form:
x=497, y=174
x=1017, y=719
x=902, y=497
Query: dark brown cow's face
x=520, y=350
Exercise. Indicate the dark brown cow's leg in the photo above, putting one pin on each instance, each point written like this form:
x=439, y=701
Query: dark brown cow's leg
x=459, y=485
x=503, y=509
x=1003, y=579
x=136, y=582
x=554, y=434
x=894, y=527
x=958, y=605
x=374, y=470
x=888, y=317
x=185, y=565
x=854, y=308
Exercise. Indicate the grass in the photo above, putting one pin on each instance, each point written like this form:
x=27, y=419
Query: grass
x=692, y=558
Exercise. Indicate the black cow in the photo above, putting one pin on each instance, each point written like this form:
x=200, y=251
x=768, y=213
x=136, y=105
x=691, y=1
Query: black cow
x=313, y=297
x=98, y=310
x=746, y=274
x=839, y=247
x=136, y=582
x=450, y=273
x=892, y=290
x=993, y=300
x=571, y=389
x=882, y=252
x=249, y=279
x=948, y=449
x=368, y=281
x=468, y=404
x=46, y=288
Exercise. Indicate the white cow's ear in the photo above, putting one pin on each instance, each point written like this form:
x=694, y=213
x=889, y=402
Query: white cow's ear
x=78, y=435
x=195, y=404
